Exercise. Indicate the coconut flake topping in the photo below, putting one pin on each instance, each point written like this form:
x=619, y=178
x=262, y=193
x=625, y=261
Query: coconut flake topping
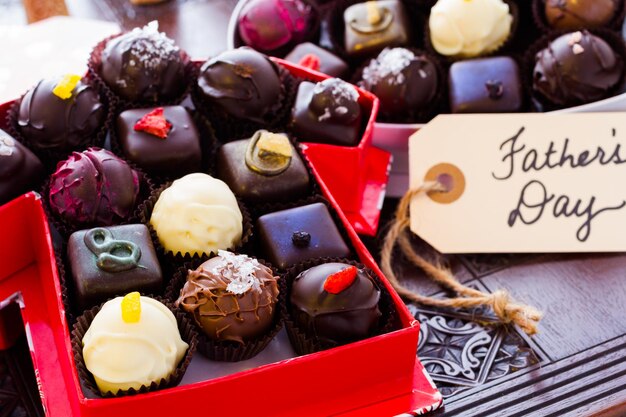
x=239, y=270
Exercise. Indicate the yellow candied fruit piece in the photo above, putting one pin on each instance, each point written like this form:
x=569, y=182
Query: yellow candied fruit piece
x=373, y=13
x=274, y=144
x=131, y=308
x=64, y=88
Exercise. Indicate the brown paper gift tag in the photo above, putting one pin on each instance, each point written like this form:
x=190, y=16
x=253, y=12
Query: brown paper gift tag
x=521, y=183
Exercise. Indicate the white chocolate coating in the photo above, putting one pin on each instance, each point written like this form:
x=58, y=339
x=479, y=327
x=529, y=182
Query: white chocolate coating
x=469, y=28
x=197, y=214
x=124, y=355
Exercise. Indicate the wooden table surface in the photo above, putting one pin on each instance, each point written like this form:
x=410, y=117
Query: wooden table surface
x=575, y=366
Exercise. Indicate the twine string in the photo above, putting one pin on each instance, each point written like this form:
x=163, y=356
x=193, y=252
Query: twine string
x=507, y=310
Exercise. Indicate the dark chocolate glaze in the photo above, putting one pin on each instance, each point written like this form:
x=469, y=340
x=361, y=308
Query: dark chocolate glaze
x=20, y=169
x=578, y=14
x=94, y=284
x=577, y=68
x=242, y=82
x=226, y=316
x=485, y=85
x=351, y=315
x=327, y=112
x=276, y=231
x=176, y=155
x=144, y=65
x=289, y=185
x=330, y=64
x=49, y=122
x=93, y=188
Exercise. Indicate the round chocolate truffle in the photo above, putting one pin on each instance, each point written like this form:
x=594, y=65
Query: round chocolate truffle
x=405, y=82
x=144, y=65
x=577, y=68
x=60, y=114
x=266, y=25
x=335, y=302
x=242, y=82
x=335, y=100
x=93, y=188
x=231, y=297
x=578, y=14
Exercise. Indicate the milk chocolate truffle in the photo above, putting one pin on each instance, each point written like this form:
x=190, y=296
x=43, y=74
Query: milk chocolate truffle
x=144, y=65
x=327, y=112
x=375, y=25
x=20, y=169
x=162, y=141
x=132, y=342
x=319, y=59
x=485, y=85
x=60, y=114
x=231, y=297
x=577, y=68
x=93, y=188
x=111, y=261
x=405, y=82
x=469, y=28
x=267, y=25
x=197, y=214
x=263, y=169
x=335, y=302
x=580, y=14
x=295, y=235
x=242, y=82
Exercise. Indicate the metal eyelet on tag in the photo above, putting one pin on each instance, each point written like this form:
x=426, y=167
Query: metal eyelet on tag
x=451, y=177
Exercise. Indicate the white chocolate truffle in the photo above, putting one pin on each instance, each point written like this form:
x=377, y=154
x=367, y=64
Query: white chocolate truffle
x=197, y=214
x=469, y=28
x=123, y=354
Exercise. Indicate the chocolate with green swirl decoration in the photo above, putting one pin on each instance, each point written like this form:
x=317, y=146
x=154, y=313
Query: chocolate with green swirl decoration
x=113, y=255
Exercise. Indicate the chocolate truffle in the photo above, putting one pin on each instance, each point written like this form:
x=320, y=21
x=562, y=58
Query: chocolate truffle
x=298, y=234
x=319, y=59
x=405, y=82
x=374, y=25
x=327, y=112
x=20, y=169
x=577, y=68
x=162, y=141
x=144, y=65
x=132, y=342
x=580, y=14
x=267, y=25
x=197, y=214
x=263, y=169
x=335, y=303
x=231, y=297
x=94, y=188
x=60, y=114
x=112, y=261
x=242, y=82
x=485, y=85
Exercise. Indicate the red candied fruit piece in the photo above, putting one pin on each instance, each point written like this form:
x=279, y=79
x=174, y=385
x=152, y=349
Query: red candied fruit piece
x=154, y=123
x=339, y=281
x=310, y=61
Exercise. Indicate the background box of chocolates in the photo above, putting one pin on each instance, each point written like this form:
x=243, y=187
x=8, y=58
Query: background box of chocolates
x=199, y=231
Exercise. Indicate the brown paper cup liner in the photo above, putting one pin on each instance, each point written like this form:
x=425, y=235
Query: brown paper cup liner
x=542, y=103
x=504, y=48
x=540, y=20
x=94, y=66
x=225, y=351
x=409, y=115
x=171, y=259
x=51, y=157
x=187, y=332
x=304, y=343
x=66, y=298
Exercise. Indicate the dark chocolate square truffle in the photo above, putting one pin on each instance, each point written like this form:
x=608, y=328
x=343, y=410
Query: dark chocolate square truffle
x=20, y=169
x=112, y=261
x=254, y=185
x=374, y=25
x=485, y=85
x=175, y=155
x=318, y=59
x=295, y=235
